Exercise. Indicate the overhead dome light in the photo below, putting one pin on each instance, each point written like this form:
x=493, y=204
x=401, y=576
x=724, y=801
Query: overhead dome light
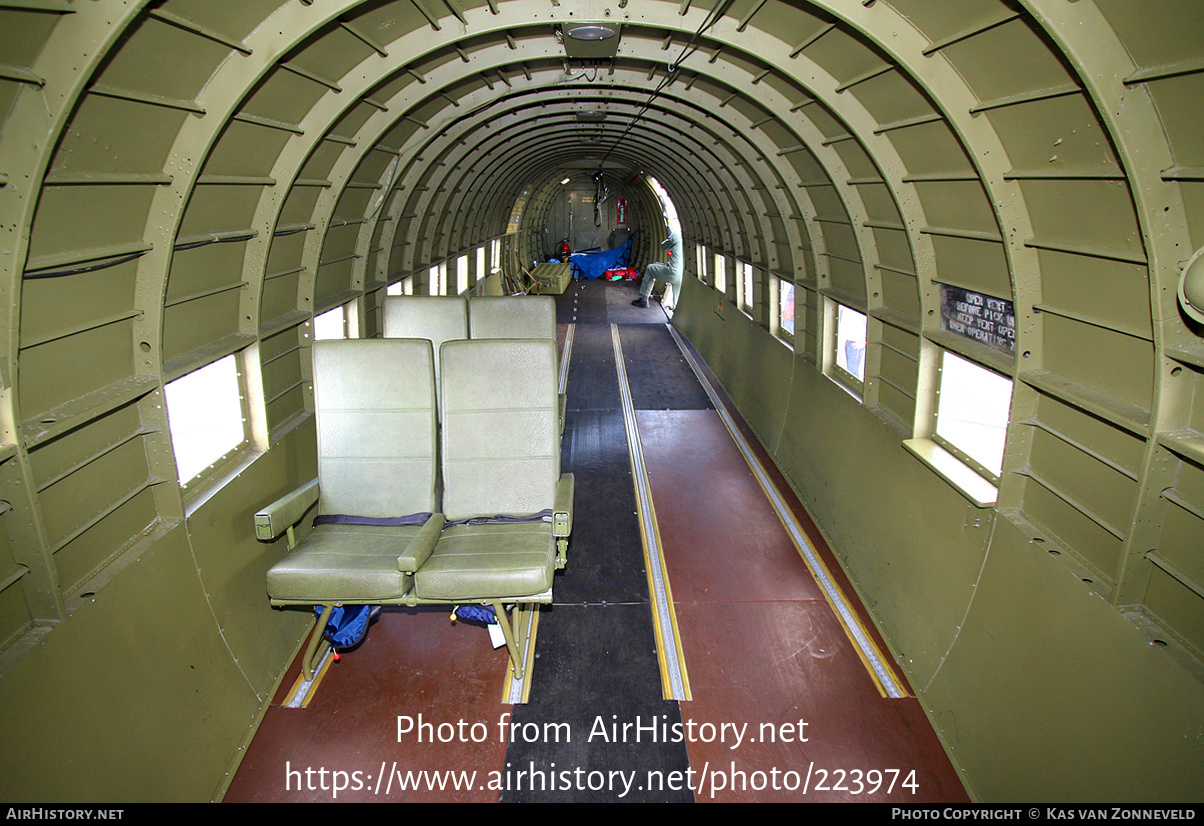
x=591, y=33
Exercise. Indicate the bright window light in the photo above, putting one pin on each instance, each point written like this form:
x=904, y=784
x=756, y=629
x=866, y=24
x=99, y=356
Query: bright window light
x=461, y=274
x=720, y=273
x=204, y=413
x=850, y=342
x=972, y=410
x=667, y=207
x=480, y=264
x=330, y=324
x=746, y=285
x=786, y=307
x=394, y=289
x=702, y=262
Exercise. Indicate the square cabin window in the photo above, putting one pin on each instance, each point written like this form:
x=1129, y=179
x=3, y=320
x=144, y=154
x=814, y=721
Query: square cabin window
x=461, y=274
x=720, y=273
x=331, y=324
x=747, y=279
x=206, y=419
x=786, y=310
x=850, y=342
x=973, y=405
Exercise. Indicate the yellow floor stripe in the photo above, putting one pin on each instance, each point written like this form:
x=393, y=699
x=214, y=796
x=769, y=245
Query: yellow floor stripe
x=675, y=681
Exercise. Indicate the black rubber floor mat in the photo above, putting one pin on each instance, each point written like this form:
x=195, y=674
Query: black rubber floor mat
x=604, y=302
x=593, y=383
x=596, y=729
x=606, y=554
x=658, y=374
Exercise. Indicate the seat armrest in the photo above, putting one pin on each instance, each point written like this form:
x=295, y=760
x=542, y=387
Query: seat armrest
x=421, y=545
x=286, y=511
x=562, y=514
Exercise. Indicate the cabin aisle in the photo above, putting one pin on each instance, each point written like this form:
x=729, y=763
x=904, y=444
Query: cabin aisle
x=781, y=707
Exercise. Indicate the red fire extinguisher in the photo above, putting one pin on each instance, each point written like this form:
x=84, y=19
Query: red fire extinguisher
x=565, y=249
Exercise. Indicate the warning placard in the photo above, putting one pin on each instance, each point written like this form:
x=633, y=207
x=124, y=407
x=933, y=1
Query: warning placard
x=983, y=318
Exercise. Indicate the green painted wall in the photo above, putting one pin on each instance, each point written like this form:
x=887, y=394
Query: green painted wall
x=149, y=691
x=1039, y=689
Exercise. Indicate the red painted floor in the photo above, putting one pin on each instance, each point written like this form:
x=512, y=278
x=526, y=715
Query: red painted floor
x=792, y=713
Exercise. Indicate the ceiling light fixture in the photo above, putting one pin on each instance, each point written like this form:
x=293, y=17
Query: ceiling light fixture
x=591, y=32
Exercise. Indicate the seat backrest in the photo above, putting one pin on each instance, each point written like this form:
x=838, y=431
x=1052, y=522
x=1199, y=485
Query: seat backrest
x=375, y=410
x=501, y=442
x=500, y=316
x=437, y=318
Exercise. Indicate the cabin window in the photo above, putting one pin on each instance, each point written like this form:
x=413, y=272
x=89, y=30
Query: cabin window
x=785, y=309
x=849, y=340
x=437, y=280
x=495, y=255
x=972, y=409
x=207, y=419
x=403, y=287
x=461, y=274
x=745, y=279
x=330, y=324
x=702, y=262
x=720, y=273
x=480, y=273
x=338, y=322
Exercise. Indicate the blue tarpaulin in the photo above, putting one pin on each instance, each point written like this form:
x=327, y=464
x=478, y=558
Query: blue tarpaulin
x=593, y=264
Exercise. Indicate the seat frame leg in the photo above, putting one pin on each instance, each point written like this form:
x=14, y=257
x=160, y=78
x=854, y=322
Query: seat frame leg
x=516, y=660
x=315, y=650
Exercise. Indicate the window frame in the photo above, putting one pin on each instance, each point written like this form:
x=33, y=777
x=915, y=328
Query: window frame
x=977, y=484
x=777, y=286
x=943, y=441
x=842, y=376
x=746, y=288
x=461, y=274
x=350, y=319
x=215, y=473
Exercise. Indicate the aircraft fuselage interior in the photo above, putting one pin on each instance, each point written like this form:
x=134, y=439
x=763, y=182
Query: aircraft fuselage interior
x=897, y=494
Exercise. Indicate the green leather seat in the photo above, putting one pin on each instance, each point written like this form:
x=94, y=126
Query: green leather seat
x=437, y=318
x=500, y=456
x=528, y=316
x=375, y=411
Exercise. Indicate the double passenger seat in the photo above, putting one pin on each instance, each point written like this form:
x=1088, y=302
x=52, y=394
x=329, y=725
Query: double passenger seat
x=379, y=537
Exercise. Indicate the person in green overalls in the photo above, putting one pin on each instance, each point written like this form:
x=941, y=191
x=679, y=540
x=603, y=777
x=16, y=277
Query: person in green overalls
x=669, y=273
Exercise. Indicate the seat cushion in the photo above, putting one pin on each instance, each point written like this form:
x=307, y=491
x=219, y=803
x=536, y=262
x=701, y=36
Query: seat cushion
x=489, y=562
x=345, y=563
